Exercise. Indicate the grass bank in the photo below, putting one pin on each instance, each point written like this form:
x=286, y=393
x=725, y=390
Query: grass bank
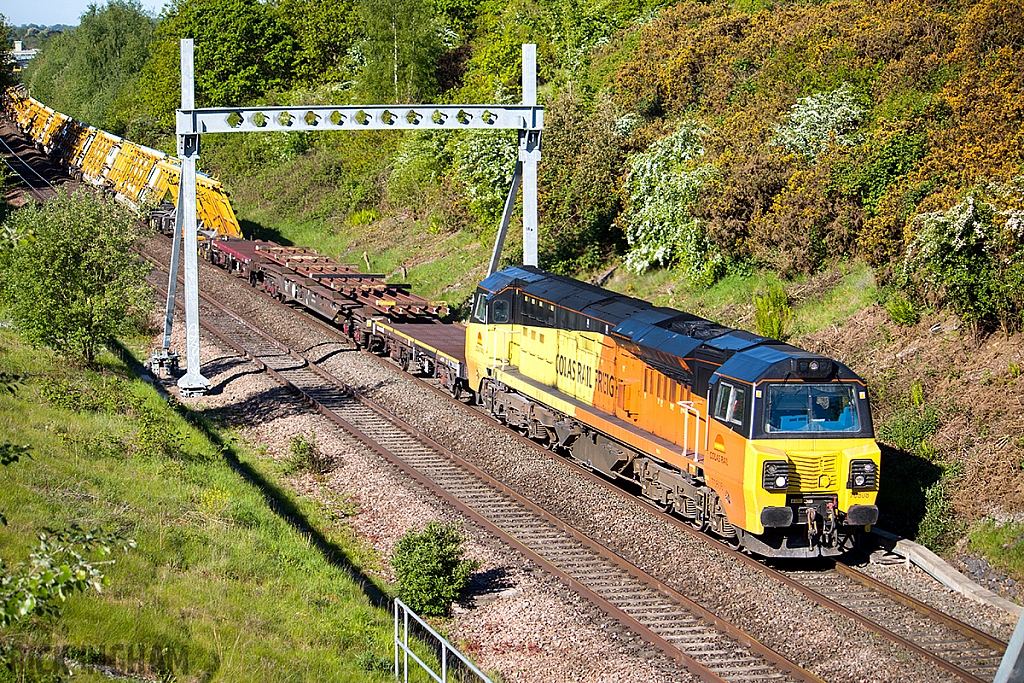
x=232, y=577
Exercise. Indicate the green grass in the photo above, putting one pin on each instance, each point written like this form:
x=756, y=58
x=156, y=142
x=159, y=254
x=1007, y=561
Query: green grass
x=233, y=577
x=1001, y=544
x=856, y=290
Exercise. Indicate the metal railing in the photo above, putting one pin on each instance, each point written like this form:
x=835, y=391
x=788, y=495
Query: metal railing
x=689, y=411
x=403, y=651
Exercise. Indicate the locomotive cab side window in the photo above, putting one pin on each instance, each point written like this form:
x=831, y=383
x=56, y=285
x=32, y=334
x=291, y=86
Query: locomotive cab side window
x=731, y=404
x=499, y=311
x=480, y=310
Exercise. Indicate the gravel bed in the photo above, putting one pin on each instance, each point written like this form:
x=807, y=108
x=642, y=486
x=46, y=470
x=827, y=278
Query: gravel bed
x=915, y=582
x=515, y=619
x=832, y=647
x=981, y=572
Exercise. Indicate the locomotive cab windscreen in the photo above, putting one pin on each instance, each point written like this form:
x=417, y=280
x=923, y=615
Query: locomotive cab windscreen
x=802, y=408
x=822, y=410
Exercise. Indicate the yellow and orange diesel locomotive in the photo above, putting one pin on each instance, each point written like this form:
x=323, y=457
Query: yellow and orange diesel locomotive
x=768, y=446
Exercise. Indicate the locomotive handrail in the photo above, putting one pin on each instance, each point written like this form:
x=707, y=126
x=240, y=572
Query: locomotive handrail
x=689, y=409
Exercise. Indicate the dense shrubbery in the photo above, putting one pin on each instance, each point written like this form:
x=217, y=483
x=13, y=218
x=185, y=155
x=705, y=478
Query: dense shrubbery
x=971, y=258
x=851, y=129
x=661, y=187
x=431, y=569
x=699, y=135
x=583, y=158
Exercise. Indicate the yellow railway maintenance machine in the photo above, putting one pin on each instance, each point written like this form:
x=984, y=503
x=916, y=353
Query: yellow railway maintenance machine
x=137, y=175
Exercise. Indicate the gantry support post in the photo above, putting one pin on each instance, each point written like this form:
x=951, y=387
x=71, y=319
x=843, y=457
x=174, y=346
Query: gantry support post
x=506, y=216
x=529, y=156
x=192, y=383
x=172, y=277
x=526, y=170
x=165, y=362
x=1011, y=669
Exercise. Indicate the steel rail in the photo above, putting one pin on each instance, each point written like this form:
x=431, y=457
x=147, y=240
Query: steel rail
x=967, y=630
x=805, y=590
x=822, y=600
x=783, y=667
x=36, y=191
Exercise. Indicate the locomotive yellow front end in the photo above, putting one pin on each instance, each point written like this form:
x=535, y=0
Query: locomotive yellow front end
x=811, y=464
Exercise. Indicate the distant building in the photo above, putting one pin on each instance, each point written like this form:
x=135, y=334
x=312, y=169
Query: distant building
x=21, y=57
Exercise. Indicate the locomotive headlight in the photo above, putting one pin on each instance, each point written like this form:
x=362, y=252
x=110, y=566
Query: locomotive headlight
x=775, y=475
x=814, y=366
x=863, y=475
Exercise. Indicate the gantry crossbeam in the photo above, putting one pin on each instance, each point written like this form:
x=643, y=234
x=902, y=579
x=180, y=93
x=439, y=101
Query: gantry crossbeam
x=360, y=117
x=526, y=118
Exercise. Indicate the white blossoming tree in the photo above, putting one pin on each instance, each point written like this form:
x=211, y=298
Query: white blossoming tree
x=661, y=186
x=817, y=121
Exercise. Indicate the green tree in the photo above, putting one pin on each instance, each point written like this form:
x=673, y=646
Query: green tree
x=243, y=51
x=87, y=71
x=399, y=49
x=6, y=33
x=431, y=568
x=78, y=281
x=325, y=33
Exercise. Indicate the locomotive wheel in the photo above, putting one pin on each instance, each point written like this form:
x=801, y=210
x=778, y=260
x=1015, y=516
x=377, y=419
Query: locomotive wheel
x=457, y=390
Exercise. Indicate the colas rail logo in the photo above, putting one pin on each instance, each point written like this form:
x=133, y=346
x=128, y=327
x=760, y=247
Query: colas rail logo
x=584, y=374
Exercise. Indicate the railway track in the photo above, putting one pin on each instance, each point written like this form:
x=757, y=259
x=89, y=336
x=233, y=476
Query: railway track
x=968, y=653
x=35, y=184
x=708, y=646
x=964, y=652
